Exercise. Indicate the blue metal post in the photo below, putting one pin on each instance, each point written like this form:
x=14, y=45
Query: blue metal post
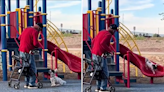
x=112, y=38
x=31, y=14
x=44, y=31
x=111, y=11
x=8, y=18
x=28, y=19
x=17, y=19
x=27, y=2
x=39, y=9
x=103, y=12
x=100, y=27
x=3, y=40
x=89, y=8
x=117, y=33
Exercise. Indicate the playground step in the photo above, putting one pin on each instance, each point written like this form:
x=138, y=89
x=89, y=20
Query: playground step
x=11, y=43
x=109, y=60
x=115, y=73
x=39, y=63
x=85, y=47
x=111, y=67
x=42, y=69
x=132, y=80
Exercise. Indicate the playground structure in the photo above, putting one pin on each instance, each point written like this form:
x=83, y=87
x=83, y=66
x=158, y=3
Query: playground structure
x=24, y=17
x=97, y=20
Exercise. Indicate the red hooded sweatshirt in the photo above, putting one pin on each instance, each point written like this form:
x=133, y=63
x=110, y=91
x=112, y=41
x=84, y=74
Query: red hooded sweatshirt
x=100, y=44
x=28, y=40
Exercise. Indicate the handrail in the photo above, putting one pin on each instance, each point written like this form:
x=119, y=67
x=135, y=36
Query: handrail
x=128, y=69
x=124, y=64
x=87, y=33
x=56, y=56
x=89, y=37
x=52, y=59
x=17, y=33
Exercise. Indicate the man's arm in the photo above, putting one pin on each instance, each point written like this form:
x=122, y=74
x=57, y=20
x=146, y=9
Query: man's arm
x=19, y=38
x=105, y=43
x=35, y=39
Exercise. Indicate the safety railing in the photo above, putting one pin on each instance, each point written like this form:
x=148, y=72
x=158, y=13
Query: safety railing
x=56, y=57
x=129, y=54
x=128, y=69
x=86, y=40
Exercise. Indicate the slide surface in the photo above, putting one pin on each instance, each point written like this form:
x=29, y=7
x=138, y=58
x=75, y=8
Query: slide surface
x=139, y=62
x=72, y=61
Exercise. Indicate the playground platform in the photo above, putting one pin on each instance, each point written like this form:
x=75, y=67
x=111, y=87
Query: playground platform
x=137, y=88
x=71, y=86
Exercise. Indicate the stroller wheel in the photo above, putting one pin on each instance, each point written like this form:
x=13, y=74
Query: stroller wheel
x=88, y=89
x=16, y=86
x=112, y=89
x=9, y=83
x=40, y=85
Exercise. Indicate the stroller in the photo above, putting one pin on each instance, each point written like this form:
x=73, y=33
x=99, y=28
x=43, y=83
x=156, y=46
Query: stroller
x=22, y=68
x=95, y=73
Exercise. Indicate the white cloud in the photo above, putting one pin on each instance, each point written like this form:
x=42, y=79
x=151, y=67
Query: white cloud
x=144, y=1
x=125, y=5
x=143, y=24
x=141, y=7
x=70, y=21
x=62, y=5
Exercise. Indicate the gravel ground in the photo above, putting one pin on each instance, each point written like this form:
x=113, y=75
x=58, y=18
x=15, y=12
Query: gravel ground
x=137, y=88
x=71, y=86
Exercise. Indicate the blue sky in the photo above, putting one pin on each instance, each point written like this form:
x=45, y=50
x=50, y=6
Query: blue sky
x=66, y=12
x=144, y=14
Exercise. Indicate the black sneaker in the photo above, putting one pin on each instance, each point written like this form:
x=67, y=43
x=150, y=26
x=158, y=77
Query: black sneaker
x=32, y=87
x=104, y=90
x=26, y=86
x=97, y=90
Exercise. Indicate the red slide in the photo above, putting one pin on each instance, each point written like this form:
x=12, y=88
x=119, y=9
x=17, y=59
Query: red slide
x=73, y=62
x=139, y=62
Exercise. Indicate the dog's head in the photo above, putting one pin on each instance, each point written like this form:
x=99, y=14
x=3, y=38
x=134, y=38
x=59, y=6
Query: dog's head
x=155, y=66
x=146, y=60
x=52, y=72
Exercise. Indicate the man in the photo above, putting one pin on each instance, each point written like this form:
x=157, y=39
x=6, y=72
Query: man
x=29, y=41
x=101, y=45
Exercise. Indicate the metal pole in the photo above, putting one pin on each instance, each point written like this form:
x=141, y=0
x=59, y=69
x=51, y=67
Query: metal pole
x=128, y=69
x=111, y=11
x=44, y=31
x=117, y=33
x=31, y=12
x=28, y=21
x=8, y=18
x=40, y=51
x=112, y=38
x=17, y=18
x=27, y=2
x=103, y=12
x=89, y=8
x=100, y=27
x=3, y=40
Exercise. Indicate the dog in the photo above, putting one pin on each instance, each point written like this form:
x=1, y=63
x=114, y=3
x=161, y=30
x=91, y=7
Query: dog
x=151, y=65
x=55, y=81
